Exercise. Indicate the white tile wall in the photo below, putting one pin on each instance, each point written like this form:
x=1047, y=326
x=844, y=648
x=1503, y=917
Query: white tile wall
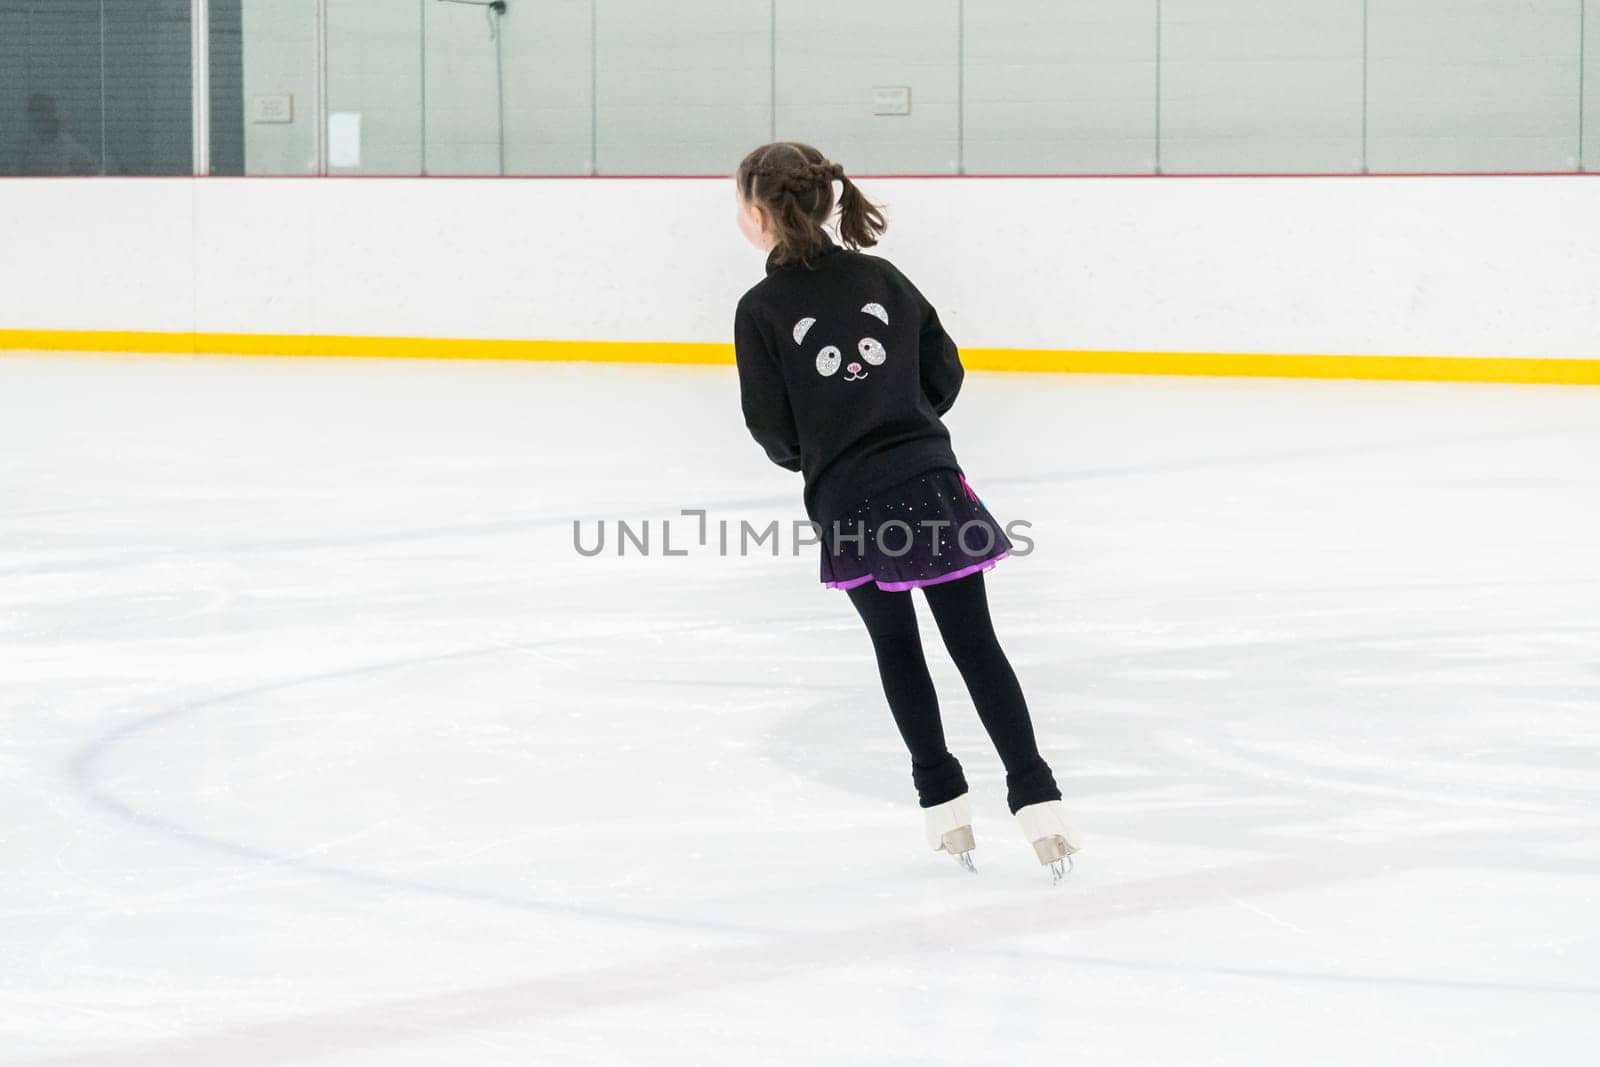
x=1048, y=85
x=1065, y=87
x=1473, y=85
x=1261, y=85
x=683, y=87
x=548, y=88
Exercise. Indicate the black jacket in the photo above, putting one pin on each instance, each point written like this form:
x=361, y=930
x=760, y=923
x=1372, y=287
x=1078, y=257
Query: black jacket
x=844, y=371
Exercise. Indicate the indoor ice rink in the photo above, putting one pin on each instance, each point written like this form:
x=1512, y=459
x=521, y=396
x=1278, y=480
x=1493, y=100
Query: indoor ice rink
x=328, y=738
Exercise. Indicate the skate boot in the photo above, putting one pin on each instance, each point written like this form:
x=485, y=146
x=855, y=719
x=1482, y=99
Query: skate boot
x=1045, y=826
x=949, y=829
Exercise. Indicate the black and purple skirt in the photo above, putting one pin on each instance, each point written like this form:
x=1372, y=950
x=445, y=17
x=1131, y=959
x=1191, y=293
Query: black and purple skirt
x=928, y=529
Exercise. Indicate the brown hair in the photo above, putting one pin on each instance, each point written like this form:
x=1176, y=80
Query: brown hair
x=794, y=182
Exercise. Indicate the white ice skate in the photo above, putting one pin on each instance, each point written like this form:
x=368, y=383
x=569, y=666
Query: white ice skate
x=949, y=827
x=1045, y=826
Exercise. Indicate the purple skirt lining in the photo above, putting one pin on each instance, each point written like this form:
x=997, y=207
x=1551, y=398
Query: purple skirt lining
x=918, y=583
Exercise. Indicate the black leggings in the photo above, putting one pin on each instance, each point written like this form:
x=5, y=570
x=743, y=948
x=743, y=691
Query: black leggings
x=961, y=610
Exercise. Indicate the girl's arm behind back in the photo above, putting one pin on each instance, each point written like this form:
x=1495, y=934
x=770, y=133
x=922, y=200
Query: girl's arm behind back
x=762, y=393
x=938, y=356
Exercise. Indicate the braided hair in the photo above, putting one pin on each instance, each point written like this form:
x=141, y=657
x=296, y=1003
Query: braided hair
x=794, y=183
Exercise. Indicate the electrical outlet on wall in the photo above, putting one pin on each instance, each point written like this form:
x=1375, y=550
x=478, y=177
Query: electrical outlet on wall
x=891, y=99
x=277, y=107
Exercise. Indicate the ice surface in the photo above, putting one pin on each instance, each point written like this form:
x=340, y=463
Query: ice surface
x=320, y=744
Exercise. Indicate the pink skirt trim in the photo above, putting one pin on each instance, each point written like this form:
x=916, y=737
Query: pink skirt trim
x=917, y=583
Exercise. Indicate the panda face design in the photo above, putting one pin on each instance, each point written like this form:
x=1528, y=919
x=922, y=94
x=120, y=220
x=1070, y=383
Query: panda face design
x=868, y=350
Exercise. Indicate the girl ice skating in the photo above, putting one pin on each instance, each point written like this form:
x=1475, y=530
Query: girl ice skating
x=844, y=372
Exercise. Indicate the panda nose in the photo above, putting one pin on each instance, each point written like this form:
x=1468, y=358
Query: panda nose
x=854, y=368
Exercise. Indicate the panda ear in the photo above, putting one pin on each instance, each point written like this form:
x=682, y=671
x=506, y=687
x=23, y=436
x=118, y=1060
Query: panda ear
x=800, y=329
x=877, y=312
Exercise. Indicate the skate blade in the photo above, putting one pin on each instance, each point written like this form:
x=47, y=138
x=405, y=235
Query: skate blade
x=959, y=843
x=1057, y=854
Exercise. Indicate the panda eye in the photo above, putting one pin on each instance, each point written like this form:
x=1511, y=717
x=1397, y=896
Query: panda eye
x=872, y=351
x=828, y=361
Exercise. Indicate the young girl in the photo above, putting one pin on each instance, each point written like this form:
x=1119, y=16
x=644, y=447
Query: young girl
x=844, y=371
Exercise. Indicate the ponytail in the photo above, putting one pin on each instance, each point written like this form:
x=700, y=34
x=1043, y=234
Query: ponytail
x=794, y=183
x=861, y=221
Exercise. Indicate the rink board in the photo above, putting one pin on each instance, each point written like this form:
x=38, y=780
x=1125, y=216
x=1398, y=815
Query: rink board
x=1483, y=278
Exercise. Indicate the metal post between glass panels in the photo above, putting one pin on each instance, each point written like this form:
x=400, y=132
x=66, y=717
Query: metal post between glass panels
x=200, y=80
x=322, y=87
